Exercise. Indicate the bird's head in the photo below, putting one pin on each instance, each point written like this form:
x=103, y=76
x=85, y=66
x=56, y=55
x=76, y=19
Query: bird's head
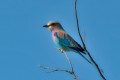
x=53, y=25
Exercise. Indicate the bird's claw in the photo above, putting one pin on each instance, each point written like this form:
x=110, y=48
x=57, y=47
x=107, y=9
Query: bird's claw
x=60, y=50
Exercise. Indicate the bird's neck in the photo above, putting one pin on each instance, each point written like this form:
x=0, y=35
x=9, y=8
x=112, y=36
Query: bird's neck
x=53, y=37
x=55, y=30
x=53, y=33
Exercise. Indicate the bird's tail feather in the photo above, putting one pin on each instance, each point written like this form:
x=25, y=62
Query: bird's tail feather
x=79, y=51
x=85, y=58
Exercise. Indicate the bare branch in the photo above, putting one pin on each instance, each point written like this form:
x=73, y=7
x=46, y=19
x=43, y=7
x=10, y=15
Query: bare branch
x=84, y=46
x=96, y=65
x=78, y=24
x=71, y=72
x=69, y=62
x=84, y=38
x=54, y=69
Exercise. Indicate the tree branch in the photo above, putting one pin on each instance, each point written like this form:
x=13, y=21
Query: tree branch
x=84, y=46
x=71, y=72
x=78, y=24
x=54, y=69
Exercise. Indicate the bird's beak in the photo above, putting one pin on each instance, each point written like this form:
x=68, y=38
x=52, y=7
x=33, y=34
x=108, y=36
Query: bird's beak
x=45, y=26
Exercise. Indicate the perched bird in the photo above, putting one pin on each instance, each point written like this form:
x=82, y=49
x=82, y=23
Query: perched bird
x=63, y=40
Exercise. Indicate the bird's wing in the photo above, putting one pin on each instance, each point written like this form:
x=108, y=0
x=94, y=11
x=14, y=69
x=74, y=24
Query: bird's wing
x=68, y=41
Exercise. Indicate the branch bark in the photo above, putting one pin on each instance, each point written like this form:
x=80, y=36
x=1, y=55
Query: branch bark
x=84, y=45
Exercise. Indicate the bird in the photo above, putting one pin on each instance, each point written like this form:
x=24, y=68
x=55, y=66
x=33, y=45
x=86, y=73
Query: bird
x=63, y=40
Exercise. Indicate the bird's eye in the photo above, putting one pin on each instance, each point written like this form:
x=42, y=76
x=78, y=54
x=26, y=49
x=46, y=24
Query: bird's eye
x=53, y=24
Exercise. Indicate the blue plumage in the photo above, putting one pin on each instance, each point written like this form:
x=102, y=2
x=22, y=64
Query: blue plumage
x=67, y=43
x=64, y=41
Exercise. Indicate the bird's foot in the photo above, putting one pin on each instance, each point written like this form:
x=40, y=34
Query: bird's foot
x=61, y=50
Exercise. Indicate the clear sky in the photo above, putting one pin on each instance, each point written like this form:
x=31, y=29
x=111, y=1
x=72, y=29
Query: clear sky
x=25, y=44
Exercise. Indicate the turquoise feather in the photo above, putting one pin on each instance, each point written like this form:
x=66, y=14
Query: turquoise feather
x=65, y=43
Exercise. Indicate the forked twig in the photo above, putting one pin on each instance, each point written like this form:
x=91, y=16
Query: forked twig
x=54, y=69
x=84, y=46
x=71, y=72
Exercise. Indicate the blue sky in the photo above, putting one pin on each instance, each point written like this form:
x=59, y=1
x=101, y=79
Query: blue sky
x=25, y=44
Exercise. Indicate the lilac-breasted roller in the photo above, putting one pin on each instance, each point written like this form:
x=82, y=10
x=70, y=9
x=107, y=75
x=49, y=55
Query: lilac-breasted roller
x=63, y=40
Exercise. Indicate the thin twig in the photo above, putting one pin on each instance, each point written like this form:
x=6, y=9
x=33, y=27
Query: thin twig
x=54, y=69
x=96, y=65
x=84, y=38
x=84, y=46
x=78, y=24
x=71, y=72
x=69, y=62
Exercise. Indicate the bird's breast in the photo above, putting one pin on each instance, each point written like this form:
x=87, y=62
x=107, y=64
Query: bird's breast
x=54, y=37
